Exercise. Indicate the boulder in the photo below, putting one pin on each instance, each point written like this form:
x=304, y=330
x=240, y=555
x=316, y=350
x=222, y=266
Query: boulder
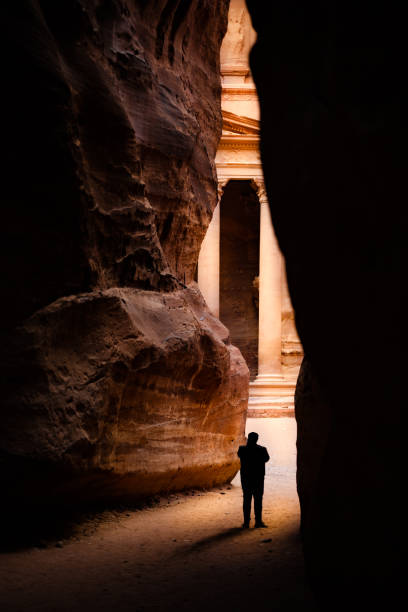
x=127, y=392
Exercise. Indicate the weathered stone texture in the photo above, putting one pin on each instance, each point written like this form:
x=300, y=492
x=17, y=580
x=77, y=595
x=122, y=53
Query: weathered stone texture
x=111, y=364
x=119, y=119
x=138, y=384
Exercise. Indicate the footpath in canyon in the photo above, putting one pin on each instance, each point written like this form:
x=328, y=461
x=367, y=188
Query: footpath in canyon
x=187, y=552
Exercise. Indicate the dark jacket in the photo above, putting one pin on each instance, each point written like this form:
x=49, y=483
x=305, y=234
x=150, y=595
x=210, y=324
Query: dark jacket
x=253, y=458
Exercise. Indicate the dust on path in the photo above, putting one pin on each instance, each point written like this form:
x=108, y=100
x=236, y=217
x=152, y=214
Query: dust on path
x=188, y=553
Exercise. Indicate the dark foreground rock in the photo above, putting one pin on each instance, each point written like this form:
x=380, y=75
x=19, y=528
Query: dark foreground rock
x=313, y=427
x=334, y=135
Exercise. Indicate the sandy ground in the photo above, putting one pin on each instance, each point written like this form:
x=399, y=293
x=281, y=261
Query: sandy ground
x=186, y=553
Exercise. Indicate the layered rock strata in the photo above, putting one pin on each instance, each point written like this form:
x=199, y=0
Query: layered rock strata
x=117, y=380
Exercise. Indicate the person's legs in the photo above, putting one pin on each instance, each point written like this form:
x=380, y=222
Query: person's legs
x=258, y=494
x=247, y=492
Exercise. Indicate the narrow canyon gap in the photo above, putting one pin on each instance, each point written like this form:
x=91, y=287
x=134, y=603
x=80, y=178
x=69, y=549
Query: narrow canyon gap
x=241, y=275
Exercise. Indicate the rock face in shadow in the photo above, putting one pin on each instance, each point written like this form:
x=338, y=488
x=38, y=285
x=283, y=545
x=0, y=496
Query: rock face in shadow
x=334, y=132
x=114, y=119
x=117, y=380
x=313, y=428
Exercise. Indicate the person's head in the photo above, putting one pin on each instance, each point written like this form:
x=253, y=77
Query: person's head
x=252, y=438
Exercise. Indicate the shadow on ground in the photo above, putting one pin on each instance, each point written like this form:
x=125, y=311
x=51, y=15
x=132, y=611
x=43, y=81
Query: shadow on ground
x=26, y=527
x=226, y=534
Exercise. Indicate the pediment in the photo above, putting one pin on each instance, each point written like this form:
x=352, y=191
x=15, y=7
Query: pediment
x=235, y=124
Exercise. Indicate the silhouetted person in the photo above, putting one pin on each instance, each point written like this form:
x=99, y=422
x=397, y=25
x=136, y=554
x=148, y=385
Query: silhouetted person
x=253, y=458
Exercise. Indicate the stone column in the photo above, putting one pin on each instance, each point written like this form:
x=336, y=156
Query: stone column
x=270, y=287
x=209, y=260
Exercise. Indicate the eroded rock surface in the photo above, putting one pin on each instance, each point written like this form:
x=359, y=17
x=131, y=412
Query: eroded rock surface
x=139, y=385
x=113, y=119
x=116, y=377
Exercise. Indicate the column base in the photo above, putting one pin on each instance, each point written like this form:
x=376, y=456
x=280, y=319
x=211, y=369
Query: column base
x=271, y=395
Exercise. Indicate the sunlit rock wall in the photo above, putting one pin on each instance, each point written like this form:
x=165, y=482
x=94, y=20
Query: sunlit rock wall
x=117, y=380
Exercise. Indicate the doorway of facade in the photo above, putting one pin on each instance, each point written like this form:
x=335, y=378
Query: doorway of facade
x=239, y=268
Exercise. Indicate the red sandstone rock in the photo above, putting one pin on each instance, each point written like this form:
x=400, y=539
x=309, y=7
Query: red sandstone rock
x=116, y=374
x=119, y=134
x=137, y=384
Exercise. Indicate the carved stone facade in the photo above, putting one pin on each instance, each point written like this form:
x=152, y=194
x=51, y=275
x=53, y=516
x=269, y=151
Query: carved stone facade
x=238, y=159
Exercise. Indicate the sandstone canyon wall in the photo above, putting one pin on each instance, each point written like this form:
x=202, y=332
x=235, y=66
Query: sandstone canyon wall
x=333, y=144
x=117, y=381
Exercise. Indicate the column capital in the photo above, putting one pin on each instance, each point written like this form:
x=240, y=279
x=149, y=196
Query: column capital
x=259, y=186
x=220, y=188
